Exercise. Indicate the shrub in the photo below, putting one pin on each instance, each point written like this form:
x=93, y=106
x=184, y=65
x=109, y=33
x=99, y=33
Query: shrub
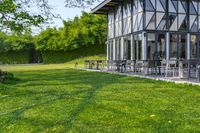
x=62, y=57
x=13, y=57
x=5, y=76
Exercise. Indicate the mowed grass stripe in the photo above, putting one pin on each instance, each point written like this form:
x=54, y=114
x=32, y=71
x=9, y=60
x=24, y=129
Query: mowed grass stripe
x=70, y=100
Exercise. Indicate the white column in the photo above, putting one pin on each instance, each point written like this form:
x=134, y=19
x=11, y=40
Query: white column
x=107, y=44
x=188, y=46
x=144, y=46
x=114, y=50
x=122, y=49
x=132, y=47
x=167, y=46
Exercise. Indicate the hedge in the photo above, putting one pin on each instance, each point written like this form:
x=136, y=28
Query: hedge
x=11, y=57
x=25, y=57
x=61, y=57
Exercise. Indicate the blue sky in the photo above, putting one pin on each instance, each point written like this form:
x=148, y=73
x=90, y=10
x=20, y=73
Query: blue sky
x=66, y=13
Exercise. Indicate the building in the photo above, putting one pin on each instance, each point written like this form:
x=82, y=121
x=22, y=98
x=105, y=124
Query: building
x=152, y=29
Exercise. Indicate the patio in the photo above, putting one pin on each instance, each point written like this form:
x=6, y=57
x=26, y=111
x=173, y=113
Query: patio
x=179, y=71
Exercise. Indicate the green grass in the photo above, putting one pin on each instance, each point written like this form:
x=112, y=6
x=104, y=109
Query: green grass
x=70, y=64
x=56, y=98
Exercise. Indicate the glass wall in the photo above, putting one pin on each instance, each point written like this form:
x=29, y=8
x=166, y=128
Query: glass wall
x=111, y=24
x=150, y=19
x=178, y=49
x=118, y=21
x=173, y=47
x=178, y=11
x=182, y=46
x=127, y=48
x=161, y=46
x=138, y=47
x=151, y=46
x=193, y=47
x=193, y=15
x=155, y=14
x=137, y=15
x=110, y=50
x=127, y=17
x=118, y=49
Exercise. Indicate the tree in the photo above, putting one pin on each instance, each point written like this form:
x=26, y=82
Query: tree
x=17, y=15
x=84, y=31
x=79, y=3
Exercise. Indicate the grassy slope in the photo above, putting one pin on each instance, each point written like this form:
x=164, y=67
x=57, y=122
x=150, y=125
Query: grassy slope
x=52, y=98
x=70, y=64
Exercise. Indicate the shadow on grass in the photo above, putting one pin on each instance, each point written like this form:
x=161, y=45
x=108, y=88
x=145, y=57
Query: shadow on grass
x=21, y=89
x=60, y=85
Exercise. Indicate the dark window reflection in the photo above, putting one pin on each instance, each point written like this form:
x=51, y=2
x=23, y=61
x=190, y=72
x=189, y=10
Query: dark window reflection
x=173, y=46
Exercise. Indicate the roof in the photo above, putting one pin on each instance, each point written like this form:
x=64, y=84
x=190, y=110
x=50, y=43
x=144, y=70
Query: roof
x=105, y=6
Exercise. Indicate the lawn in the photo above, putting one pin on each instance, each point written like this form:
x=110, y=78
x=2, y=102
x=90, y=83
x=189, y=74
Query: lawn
x=56, y=98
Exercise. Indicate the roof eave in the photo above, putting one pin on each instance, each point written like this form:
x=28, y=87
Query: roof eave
x=105, y=6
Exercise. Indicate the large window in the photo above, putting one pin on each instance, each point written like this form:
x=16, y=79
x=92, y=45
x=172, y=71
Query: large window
x=161, y=46
x=173, y=46
x=155, y=14
x=111, y=24
x=178, y=46
x=182, y=9
x=138, y=47
x=127, y=17
x=110, y=50
x=193, y=15
x=150, y=18
x=182, y=46
x=193, y=47
x=151, y=46
x=118, y=49
x=118, y=21
x=127, y=48
x=137, y=15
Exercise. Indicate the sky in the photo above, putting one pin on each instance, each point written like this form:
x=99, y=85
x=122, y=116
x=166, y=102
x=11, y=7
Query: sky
x=66, y=13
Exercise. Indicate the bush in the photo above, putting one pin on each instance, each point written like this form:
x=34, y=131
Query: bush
x=5, y=76
x=62, y=57
x=11, y=57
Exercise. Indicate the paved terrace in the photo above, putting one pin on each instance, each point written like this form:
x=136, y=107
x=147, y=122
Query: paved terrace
x=178, y=80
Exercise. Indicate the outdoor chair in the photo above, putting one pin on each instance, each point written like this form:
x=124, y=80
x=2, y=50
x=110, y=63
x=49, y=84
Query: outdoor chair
x=138, y=66
x=86, y=64
x=192, y=66
x=150, y=65
x=130, y=65
x=162, y=67
x=111, y=65
x=171, y=67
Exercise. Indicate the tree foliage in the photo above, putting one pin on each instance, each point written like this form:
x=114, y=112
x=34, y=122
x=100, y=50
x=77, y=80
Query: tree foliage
x=79, y=3
x=17, y=15
x=15, y=42
x=85, y=31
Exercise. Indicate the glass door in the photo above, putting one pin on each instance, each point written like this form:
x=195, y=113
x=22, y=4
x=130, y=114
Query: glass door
x=137, y=47
x=173, y=46
x=193, y=46
x=151, y=46
x=182, y=51
x=118, y=49
x=161, y=46
x=127, y=48
x=178, y=46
